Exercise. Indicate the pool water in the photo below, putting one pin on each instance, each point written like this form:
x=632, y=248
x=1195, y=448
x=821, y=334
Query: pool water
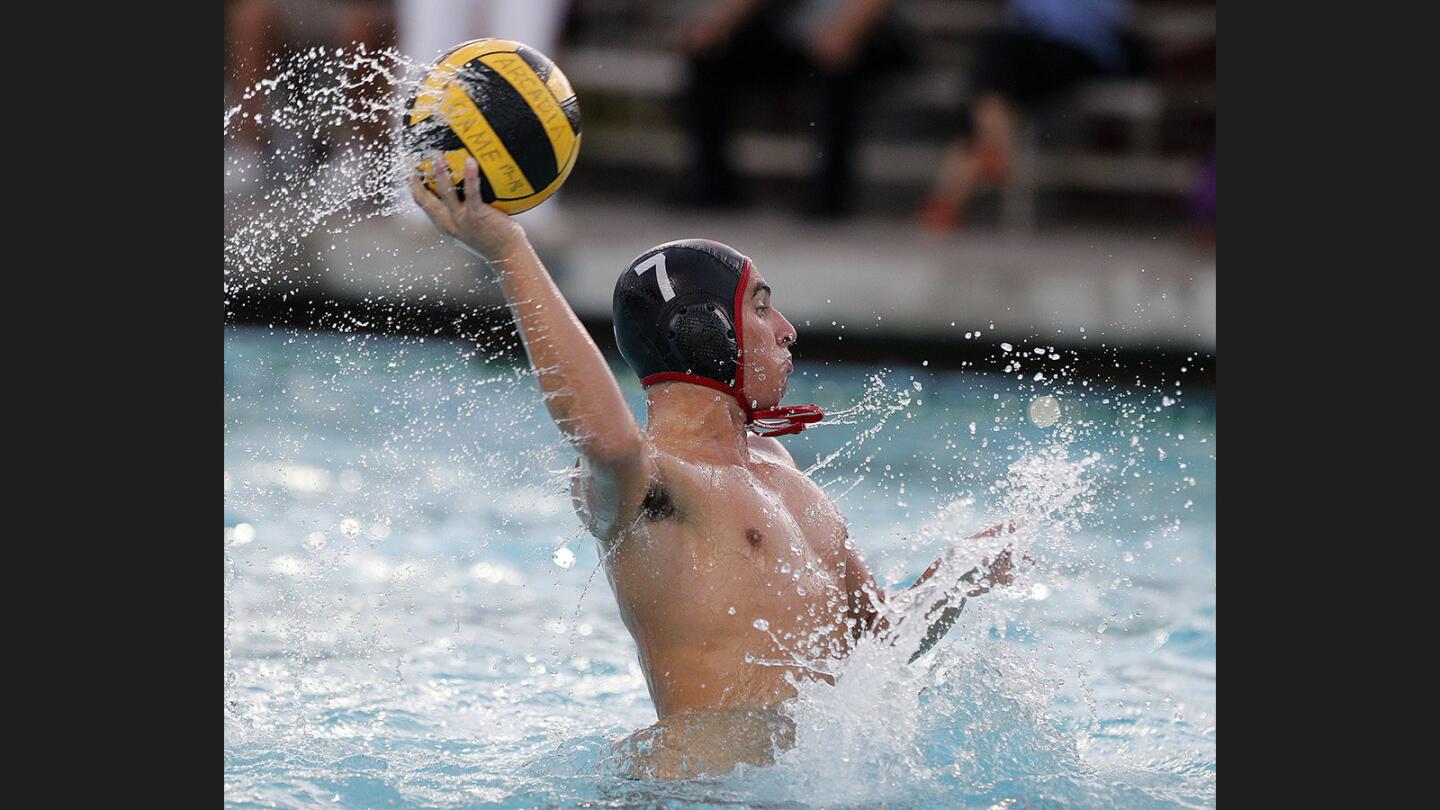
x=414, y=618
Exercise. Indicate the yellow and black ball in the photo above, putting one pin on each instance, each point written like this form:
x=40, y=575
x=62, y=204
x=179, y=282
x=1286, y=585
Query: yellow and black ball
x=506, y=105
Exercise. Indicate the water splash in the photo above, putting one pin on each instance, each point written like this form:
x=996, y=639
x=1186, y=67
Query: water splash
x=972, y=712
x=877, y=403
x=323, y=154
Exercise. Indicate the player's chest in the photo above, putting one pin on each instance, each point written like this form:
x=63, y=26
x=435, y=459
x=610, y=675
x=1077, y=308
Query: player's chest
x=778, y=511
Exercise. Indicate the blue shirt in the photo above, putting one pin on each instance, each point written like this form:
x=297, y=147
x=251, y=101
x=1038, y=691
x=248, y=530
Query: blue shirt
x=1092, y=26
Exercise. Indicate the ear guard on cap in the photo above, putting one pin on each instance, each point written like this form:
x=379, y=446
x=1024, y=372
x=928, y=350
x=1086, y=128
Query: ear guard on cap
x=703, y=338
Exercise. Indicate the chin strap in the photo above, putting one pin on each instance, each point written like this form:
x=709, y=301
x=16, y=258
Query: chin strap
x=779, y=421
x=784, y=420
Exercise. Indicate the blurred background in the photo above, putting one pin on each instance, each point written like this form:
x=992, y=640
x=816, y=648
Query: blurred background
x=908, y=172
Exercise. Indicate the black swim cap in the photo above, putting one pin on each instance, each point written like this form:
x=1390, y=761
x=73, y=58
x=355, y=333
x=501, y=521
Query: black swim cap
x=677, y=314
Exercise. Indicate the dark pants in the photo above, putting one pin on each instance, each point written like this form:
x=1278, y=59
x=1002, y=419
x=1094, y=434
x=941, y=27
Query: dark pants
x=1029, y=70
x=754, y=58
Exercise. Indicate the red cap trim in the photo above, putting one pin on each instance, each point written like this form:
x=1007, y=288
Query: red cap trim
x=737, y=313
x=680, y=376
x=795, y=417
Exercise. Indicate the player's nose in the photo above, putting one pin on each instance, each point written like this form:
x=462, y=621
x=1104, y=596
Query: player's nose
x=787, y=334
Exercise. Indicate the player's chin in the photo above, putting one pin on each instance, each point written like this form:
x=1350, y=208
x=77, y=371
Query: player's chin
x=776, y=393
x=777, y=379
x=782, y=386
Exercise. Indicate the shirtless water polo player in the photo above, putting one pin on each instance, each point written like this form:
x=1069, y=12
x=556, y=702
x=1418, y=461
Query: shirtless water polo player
x=705, y=524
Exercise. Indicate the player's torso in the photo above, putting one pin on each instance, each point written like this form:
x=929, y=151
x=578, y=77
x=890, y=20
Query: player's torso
x=731, y=563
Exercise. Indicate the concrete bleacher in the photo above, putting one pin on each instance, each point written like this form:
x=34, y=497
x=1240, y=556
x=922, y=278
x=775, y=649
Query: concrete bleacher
x=842, y=283
x=619, y=54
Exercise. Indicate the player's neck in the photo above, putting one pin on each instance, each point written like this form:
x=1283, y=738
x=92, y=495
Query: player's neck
x=697, y=418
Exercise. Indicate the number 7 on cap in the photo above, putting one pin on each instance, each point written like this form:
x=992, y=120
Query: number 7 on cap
x=658, y=262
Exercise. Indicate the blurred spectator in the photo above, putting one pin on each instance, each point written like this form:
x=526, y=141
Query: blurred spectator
x=748, y=44
x=1044, y=48
x=1183, y=68
x=1202, y=201
x=258, y=30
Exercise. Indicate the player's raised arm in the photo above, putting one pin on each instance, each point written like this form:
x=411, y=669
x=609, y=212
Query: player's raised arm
x=580, y=391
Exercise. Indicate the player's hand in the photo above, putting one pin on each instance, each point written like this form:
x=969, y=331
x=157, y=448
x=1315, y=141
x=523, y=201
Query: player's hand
x=1000, y=573
x=998, y=528
x=482, y=227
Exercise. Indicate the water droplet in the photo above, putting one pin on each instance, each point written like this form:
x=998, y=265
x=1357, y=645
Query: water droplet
x=1044, y=411
x=242, y=534
x=563, y=557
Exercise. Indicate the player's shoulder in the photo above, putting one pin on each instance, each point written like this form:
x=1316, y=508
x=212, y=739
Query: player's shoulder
x=672, y=463
x=771, y=447
x=674, y=469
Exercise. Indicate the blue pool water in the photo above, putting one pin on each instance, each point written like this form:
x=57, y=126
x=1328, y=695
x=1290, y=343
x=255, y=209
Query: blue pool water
x=413, y=617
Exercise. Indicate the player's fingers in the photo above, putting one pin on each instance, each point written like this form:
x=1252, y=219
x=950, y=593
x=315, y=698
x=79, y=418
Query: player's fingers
x=430, y=204
x=484, y=212
x=446, y=181
x=472, y=184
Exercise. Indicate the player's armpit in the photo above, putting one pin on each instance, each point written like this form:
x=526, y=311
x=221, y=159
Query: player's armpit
x=608, y=497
